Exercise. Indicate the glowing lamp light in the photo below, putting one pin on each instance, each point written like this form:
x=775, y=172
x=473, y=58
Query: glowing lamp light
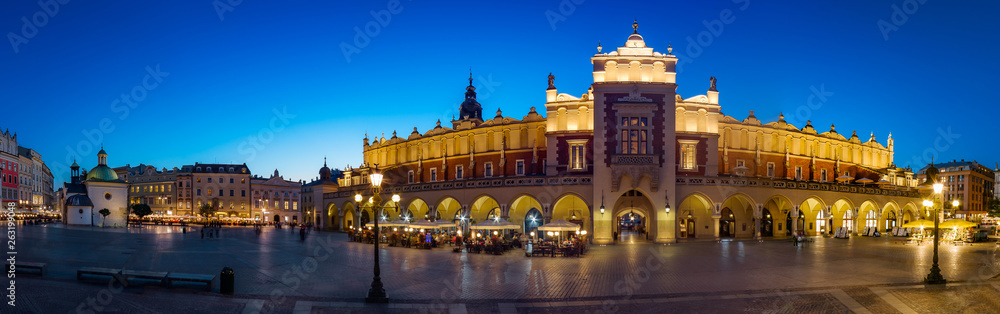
x=395, y=198
x=494, y=233
x=602, y=209
x=938, y=187
x=549, y=233
x=954, y=203
x=395, y=229
x=357, y=198
x=557, y=233
x=928, y=203
x=532, y=233
x=584, y=232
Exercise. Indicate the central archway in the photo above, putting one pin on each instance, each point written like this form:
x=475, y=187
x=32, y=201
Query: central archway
x=631, y=212
x=532, y=220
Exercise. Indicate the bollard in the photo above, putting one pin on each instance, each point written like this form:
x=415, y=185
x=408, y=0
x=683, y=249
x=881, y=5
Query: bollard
x=226, y=279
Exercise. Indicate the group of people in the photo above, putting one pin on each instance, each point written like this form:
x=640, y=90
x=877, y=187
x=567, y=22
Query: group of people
x=214, y=229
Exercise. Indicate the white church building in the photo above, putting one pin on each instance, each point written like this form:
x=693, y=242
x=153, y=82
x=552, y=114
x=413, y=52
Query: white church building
x=92, y=191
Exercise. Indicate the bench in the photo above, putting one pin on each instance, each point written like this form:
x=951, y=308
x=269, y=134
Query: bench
x=149, y=275
x=114, y=273
x=207, y=279
x=21, y=266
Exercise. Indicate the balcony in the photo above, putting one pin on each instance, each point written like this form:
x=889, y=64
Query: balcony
x=641, y=160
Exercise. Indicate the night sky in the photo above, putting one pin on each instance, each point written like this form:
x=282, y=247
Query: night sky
x=269, y=83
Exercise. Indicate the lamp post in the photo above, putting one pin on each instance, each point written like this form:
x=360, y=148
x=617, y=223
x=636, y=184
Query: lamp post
x=377, y=293
x=934, y=277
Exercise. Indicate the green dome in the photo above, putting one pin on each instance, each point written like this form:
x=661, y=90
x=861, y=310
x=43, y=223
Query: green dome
x=102, y=173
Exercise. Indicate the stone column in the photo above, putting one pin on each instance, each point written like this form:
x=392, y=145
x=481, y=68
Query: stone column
x=758, y=214
x=854, y=223
x=795, y=220
x=716, y=214
x=504, y=212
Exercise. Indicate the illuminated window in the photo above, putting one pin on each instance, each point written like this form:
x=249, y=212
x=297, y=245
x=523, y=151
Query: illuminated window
x=488, y=171
x=688, y=155
x=243, y=205
x=295, y=205
x=870, y=220
x=209, y=192
x=243, y=180
x=577, y=153
x=634, y=131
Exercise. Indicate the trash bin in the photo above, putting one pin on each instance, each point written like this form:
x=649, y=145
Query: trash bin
x=226, y=279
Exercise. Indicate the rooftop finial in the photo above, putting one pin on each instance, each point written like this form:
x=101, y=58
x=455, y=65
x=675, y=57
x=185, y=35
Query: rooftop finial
x=470, y=76
x=324, y=161
x=635, y=26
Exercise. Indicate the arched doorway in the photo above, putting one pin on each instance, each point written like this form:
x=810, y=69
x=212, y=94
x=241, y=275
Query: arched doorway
x=800, y=224
x=277, y=218
x=631, y=222
x=727, y=224
x=532, y=220
x=767, y=224
x=631, y=226
x=890, y=220
x=365, y=218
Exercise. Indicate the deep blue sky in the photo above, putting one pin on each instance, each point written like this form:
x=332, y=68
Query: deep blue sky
x=227, y=76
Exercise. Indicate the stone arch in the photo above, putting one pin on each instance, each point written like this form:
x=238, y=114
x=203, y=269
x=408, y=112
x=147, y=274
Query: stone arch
x=448, y=207
x=694, y=216
x=812, y=208
x=909, y=213
x=741, y=223
x=633, y=201
x=864, y=219
x=890, y=211
x=779, y=206
x=483, y=206
x=521, y=204
x=332, y=214
x=843, y=214
x=417, y=208
x=350, y=219
x=573, y=208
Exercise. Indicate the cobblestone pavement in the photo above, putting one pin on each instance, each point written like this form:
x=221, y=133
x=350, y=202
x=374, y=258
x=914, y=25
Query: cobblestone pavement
x=276, y=272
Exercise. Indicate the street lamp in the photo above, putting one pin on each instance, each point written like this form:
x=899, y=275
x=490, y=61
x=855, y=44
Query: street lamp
x=377, y=293
x=934, y=277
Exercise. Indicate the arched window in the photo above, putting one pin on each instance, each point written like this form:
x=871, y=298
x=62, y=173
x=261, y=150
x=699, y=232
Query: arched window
x=848, y=220
x=870, y=220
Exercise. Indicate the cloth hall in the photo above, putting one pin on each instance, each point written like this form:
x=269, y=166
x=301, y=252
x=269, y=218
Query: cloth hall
x=631, y=155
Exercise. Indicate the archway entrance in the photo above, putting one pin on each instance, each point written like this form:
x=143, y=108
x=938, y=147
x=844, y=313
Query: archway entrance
x=277, y=218
x=727, y=224
x=631, y=227
x=800, y=225
x=365, y=219
x=890, y=221
x=767, y=224
x=532, y=220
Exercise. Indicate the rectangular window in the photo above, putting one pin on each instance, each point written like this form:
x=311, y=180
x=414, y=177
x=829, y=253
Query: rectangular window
x=232, y=193
x=798, y=173
x=770, y=169
x=243, y=193
x=488, y=171
x=688, y=156
x=519, y=167
x=822, y=175
x=634, y=131
x=295, y=205
x=741, y=163
x=458, y=172
x=434, y=174
x=577, y=161
x=220, y=192
x=286, y=206
x=409, y=177
x=230, y=180
x=209, y=180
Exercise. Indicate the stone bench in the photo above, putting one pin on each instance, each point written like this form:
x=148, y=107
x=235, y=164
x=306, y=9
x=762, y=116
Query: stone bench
x=22, y=266
x=149, y=275
x=207, y=279
x=114, y=273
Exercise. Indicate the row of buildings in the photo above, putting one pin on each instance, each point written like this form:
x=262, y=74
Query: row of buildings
x=25, y=180
x=972, y=184
x=228, y=190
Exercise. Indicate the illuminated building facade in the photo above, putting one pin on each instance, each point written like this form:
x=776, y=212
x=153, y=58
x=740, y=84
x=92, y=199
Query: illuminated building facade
x=632, y=152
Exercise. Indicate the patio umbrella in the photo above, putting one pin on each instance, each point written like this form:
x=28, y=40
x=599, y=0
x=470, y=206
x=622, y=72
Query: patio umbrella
x=864, y=181
x=883, y=182
x=443, y=224
x=381, y=223
x=957, y=223
x=845, y=178
x=423, y=224
x=560, y=225
x=740, y=170
x=397, y=223
x=921, y=223
x=494, y=224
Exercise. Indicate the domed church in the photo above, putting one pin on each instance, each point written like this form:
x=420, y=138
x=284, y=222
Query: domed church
x=99, y=188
